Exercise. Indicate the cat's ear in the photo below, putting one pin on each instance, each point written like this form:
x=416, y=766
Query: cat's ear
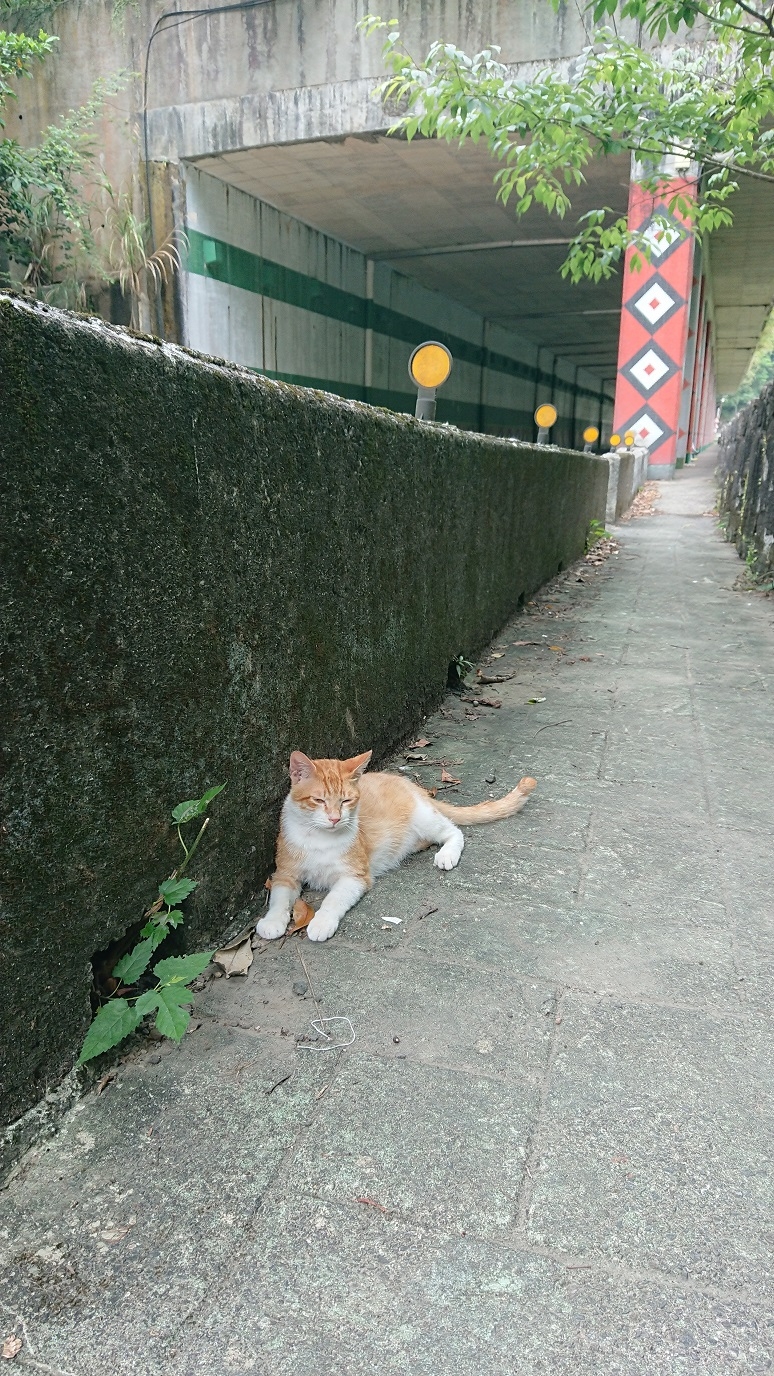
x=301, y=767
x=358, y=764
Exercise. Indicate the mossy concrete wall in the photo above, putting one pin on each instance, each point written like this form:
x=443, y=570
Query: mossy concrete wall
x=746, y=475
x=204, y=570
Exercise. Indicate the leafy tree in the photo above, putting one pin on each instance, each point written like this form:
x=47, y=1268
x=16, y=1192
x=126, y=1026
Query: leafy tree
x=705, y=105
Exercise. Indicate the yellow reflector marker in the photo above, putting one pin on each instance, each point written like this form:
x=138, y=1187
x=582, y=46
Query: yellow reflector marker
x=430, y=365
x=629, y=437
x=545, y=415
x=615, y=439
x=590, y=434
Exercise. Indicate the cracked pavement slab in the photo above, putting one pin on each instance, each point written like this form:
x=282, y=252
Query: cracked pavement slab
x=547, y=1149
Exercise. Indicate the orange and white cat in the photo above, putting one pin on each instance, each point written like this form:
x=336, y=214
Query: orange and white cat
x=339, y=831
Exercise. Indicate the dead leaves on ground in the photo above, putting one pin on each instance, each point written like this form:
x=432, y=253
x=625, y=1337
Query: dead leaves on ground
x=644, y=503
x=302, y=916
x=236, y=956
x=485, y=678
x=447, y=778
x=12, y=1346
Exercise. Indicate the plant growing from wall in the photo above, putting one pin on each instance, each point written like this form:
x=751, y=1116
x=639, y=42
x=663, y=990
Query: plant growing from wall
x=63, y=227
x=128, y=260
x=47, y=241
x=167, y=999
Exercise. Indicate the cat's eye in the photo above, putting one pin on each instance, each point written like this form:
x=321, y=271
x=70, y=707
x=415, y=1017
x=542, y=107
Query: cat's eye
x=318, y=800
x=347, y=800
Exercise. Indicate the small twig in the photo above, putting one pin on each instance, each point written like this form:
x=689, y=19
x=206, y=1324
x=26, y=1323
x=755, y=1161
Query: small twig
x=549, y=724
x=283, y=1081
x=311, y=986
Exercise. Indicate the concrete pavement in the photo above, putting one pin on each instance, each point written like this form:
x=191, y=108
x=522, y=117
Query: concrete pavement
x=548, y=1149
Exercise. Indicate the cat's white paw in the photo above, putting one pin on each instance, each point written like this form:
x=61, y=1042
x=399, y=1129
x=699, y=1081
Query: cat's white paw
x=272, y=927
x=448, y=856
x=321, y=927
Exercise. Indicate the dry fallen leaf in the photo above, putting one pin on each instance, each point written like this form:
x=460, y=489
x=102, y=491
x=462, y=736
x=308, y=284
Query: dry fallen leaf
x=446, y=778
x=496, y=654
x=418, y=759
x=535, y=699
x=420, y=744
x=236, y=956
x=431, y=791
x=114, y=1234
x=494, y=678
x=557, y=648
x=11, y=1347
x=302, y=916
x=539, y=643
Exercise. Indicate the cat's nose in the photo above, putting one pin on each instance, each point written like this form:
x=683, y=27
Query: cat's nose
x=333, y=820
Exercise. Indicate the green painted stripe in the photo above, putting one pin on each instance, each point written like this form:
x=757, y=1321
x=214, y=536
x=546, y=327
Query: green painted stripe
x=466, y=414
x=215, y=259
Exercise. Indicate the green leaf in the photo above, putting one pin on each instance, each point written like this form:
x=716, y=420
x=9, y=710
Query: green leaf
x=185, y=812
x=174, y=891
x=148, y=1003
x=182, y=969
x=113, y=1022
x=132, y=965
x=172, y=1019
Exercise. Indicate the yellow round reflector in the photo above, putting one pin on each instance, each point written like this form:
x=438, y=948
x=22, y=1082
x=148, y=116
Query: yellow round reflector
x=629, y=437
x=430, y=365
x=615, y=439
x=545, y=415
x=590, y=434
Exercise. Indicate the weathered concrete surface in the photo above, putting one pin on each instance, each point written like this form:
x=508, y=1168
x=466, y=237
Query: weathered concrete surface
x=548, y=1148
x=203, y=570
x=746, y=453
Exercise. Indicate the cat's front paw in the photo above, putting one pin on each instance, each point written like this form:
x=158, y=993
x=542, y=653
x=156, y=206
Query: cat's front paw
x=270, y=927
x=321, y=927
x=448, y=856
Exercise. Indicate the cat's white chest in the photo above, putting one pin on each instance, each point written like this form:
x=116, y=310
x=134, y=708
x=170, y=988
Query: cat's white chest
x=322, y=852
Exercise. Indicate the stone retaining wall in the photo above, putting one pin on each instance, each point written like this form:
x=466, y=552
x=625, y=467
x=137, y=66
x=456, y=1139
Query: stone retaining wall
x=746, y=475
x=205, y=569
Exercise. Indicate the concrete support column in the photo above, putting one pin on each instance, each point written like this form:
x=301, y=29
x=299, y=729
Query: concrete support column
x=689, y=365
x=654, y=326
x=694, y=429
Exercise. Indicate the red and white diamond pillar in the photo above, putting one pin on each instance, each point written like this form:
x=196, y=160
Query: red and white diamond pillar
x=652, y=353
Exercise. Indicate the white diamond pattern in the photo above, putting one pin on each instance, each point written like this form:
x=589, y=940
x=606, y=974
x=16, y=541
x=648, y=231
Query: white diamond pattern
x=649, y=369
x=660, y=239
x=646, y=431
x=654, y=302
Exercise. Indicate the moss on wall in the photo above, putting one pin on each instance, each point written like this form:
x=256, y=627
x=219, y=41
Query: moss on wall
x=204, y=570
x=747, y=482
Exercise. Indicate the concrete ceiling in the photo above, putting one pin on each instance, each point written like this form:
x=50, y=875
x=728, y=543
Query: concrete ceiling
x=429, y=210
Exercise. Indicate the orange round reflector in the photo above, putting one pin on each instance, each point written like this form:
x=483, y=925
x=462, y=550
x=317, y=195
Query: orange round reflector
x=629, y=437
x=545, y=415
x=590, y=434
x=430, y=365
x=615, y=439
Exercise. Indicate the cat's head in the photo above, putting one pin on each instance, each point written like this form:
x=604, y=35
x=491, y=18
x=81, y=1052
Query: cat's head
x=327, y=791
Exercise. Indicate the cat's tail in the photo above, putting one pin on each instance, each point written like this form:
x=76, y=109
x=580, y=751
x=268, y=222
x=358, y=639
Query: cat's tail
x=492, y=811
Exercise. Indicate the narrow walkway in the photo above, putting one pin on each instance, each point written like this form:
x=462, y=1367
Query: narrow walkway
x=547, y=1149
